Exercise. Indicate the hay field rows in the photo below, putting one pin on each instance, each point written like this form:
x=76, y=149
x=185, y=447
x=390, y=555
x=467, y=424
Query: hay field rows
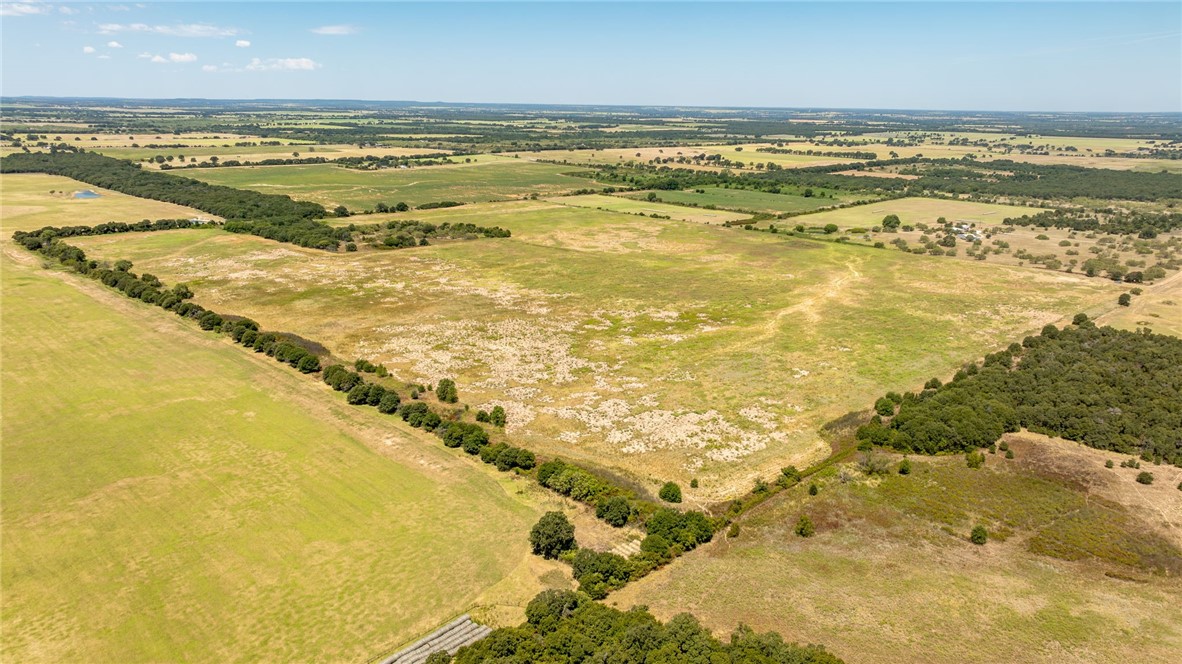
x=759, y=201
x=329, y=185
x=203, y=503
x=665, y=349
x=643, y=207
x=915, y=211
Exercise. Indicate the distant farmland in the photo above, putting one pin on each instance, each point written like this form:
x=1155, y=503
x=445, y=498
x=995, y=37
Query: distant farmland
x=331, y=185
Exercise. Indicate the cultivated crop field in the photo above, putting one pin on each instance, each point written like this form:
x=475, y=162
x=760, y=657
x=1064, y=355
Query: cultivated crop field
x=891, y=576
x=665, y=349
x=203, y=503
x=330, y=185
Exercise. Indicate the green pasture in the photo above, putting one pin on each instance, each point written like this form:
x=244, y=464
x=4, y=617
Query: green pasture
x=166, y=496
x=759, y=201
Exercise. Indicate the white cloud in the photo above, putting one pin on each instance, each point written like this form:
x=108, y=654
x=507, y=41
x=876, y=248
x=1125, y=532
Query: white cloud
x=67, y=10
x=88, y=49
x=172, y=57
x=178, y=30
x=242, y=43
x=104, y=57
x=282, y=64
x=23, y=9
x=114, y=44
x=209, y=67
x=334, y=30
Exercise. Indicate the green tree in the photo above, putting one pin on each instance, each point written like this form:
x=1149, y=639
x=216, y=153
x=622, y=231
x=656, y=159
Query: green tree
x=615, y=510
x=446, y=391
x=1145, y=477
x=497, y=416
x=1124, y=300
x=891, y=223
x=830, y=229
x=804, y=526
x=552, y=535
x=670, y=492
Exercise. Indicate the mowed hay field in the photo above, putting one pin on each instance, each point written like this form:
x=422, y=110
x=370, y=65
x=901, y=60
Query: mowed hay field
x=332, y=185
x=890, y=575
x=647, y=208
x=758, y=201
x=26, y=204
x=166, y=496
x=914, y=211
x=667, y=349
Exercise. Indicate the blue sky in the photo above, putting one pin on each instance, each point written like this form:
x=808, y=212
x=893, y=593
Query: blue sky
x=1052, y=56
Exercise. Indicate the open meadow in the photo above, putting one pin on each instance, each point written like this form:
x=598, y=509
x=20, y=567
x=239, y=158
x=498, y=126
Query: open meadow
x=331, y=185
x=666, y=349
x=1081, y=564
x=31, y=201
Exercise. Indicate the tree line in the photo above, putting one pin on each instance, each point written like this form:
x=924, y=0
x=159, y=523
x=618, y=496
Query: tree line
x=1110, y=389
x=566, y=626
x=149, y=289
x=272, y=216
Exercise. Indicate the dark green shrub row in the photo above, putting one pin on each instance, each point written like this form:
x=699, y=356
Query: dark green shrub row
x=566, y=626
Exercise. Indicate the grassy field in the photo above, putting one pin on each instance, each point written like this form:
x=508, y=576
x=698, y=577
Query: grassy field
x=665, y=349
x=642, y=207
x=332, y=185
x=758, y=201
x=890, y=574
x=26, y=204
x=204, y=503
x=914, y=211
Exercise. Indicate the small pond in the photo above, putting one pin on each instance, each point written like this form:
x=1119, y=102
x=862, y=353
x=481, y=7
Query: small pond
x=85, y=193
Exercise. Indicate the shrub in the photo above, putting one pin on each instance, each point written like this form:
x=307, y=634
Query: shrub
x=670, y=492
x=1009, y=454
x=979, y=535
x=804, y=526
x=694, y=483
x=974, y=459
x=733, y=532
x=1145, y=477
x=389, y=403
x=688, y=529
x=446, y=391
x=615, y=510
x=813, y=489
x=552, y=535
x=905, y=467
x=1109, y=464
